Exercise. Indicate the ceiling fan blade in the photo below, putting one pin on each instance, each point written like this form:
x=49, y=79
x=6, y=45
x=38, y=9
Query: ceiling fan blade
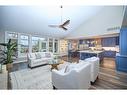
x=61, y=26
x=53, y=25
x=64, y=28
x=66, y=23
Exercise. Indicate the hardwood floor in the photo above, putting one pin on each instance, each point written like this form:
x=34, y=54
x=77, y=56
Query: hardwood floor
x=108, y=77
x=108, y=63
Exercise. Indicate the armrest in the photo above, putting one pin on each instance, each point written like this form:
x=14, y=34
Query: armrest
x=61, y=80
x=31, y=58
x=59, y=73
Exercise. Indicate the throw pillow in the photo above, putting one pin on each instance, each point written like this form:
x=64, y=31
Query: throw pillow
x=69, y=67
x=33, y=56
x=66, y=69
x=42, y=55
x=47, y=55
x=38, y=56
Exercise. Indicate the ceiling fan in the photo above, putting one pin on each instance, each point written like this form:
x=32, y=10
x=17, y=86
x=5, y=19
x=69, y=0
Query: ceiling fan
x=62, y=26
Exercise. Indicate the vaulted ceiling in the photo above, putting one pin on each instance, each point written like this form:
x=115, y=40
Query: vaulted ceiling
x=35, y=19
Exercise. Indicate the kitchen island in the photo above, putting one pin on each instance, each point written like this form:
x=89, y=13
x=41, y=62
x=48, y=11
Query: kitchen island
x=90, y=53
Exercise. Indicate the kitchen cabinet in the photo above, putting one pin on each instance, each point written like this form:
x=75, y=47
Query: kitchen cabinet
x=109, y=42
x=87, y=41
x=117, y=40
x=80, y=41
x=105, y=42
x=111, y=54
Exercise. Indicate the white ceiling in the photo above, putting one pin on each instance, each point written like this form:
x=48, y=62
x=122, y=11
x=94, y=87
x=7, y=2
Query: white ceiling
x=35, y=19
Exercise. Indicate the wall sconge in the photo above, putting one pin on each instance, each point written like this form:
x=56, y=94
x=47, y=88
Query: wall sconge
x=88, y=42
x=92, y=42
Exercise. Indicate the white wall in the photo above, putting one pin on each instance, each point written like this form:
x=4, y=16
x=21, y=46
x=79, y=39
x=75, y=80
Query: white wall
x=109, y=17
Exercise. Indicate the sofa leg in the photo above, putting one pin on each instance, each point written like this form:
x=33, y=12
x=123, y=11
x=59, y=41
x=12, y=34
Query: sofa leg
x=97, y=77
x=54, y=87
x=92, y=83
x=95, y=80
x=30, y=66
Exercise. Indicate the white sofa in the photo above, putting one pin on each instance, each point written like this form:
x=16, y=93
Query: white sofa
x=77, y=77
x=94, y=67
x=39, y=58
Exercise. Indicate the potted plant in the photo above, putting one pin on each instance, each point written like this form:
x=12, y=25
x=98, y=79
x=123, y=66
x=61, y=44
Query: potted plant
x=9, y=52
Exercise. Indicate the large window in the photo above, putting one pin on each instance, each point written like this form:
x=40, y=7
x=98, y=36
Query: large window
x=39, y=44
x=43, y=45
x=24, y=44
x=35, y=44
x=12, y=35
x=28, y=43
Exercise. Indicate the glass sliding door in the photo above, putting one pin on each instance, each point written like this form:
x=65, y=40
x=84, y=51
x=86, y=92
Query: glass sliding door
x=43, y=47
x=35, y=44
x=43, y=42
x=24, y=43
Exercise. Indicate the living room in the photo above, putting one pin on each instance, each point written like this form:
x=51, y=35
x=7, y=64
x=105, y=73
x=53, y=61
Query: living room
x=60, y=41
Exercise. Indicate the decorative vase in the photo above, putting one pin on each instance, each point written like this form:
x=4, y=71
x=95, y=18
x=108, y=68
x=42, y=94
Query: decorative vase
x=9, y=66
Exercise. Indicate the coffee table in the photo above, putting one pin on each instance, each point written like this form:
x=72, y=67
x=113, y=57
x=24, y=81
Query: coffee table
x=55, y=63
x=54, y=66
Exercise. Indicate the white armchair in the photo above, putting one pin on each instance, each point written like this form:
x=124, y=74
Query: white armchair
x=76, y=78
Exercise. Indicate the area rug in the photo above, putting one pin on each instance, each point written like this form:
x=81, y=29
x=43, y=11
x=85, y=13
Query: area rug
x=36, y=78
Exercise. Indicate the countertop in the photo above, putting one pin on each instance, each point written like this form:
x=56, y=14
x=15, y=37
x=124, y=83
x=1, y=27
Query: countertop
x=91, y=51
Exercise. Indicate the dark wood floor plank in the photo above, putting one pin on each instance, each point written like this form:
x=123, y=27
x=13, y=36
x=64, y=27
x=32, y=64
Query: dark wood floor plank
x=116, y=75
x=113, y=81
x=110, y=86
